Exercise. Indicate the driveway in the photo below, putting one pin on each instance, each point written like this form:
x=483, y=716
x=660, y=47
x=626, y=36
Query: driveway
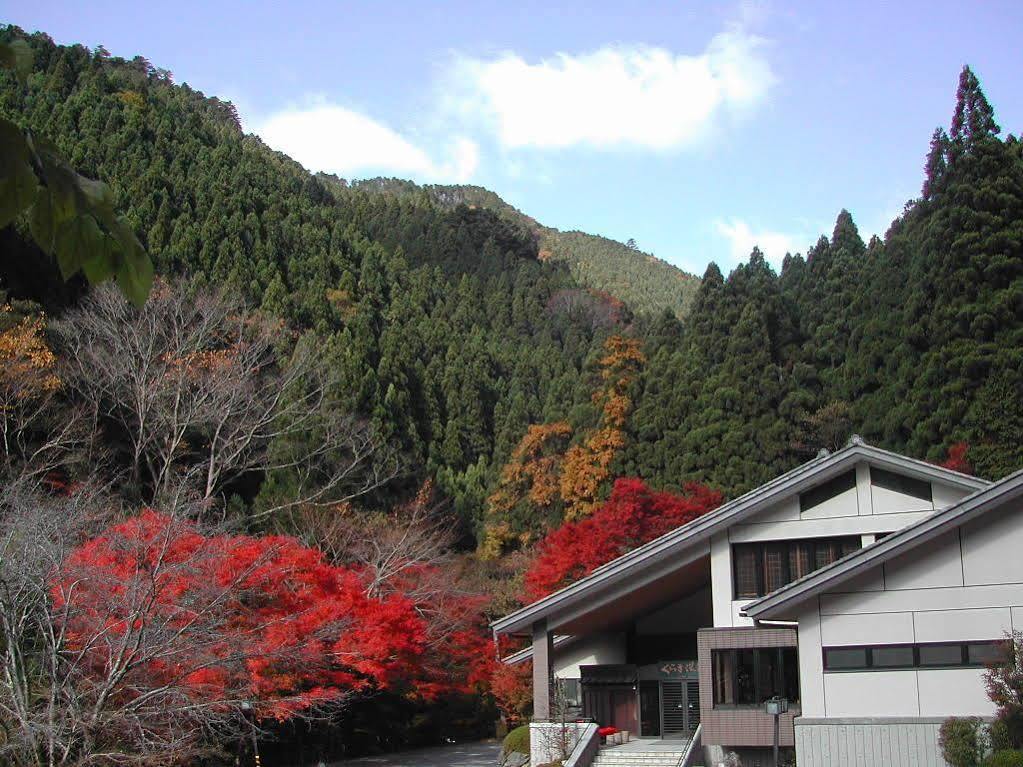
x=463, y=755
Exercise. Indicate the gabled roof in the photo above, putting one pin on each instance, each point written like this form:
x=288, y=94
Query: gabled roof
x=778, y=602
x=672, y=543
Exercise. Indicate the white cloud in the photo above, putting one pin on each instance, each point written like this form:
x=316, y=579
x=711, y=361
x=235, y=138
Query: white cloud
x=615, y=96
x=742, y=239
x=324, y=136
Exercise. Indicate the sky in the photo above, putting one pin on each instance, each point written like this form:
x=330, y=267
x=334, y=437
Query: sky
x=699, y=129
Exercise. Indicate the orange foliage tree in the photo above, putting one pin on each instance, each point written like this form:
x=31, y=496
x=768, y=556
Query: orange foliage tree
x=28, y=384
x=587, y=466
x=529, y=482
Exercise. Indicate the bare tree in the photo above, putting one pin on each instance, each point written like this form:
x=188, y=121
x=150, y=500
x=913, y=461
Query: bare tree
x=203, y=391
x=39, y=433
x=415, y=535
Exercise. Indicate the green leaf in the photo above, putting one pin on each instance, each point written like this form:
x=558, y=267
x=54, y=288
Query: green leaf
x=99, y=266
x=18, y=181
x=41, y=222
x=98, y=197
x=16, y=55
x=60, y=178
x=78, y=240
x=135, y=276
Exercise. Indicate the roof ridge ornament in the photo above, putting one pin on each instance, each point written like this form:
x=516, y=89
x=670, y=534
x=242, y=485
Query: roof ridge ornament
x=823, y=453
x=855, y=441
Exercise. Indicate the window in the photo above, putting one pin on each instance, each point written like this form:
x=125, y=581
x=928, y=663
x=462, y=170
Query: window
x=892, y=657
x=827, y=491
x=983, y=653
x=941, y=655
x=749, y=676
x=898, y=483
x=931, y=655
x=845, y=658
x=760, y=568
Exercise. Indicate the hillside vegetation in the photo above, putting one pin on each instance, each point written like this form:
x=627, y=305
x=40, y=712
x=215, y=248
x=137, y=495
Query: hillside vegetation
x=409, y=408
x=643, y=281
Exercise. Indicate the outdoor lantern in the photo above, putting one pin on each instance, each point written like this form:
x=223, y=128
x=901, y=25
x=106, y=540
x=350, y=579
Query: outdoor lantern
x=775, y=706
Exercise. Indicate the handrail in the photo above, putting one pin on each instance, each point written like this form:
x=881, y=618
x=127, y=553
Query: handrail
x=694, y=742
x=586, y=747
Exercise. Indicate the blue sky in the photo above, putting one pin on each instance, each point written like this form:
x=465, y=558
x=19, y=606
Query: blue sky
x=697, y=128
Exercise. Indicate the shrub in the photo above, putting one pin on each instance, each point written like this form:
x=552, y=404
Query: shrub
x=1000, y=735
x=1004, y=683
x=1005, y=758
x=517, y=740
x=961, y=741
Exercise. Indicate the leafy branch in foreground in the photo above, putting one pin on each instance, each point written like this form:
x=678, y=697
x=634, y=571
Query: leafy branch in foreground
x=70, y=216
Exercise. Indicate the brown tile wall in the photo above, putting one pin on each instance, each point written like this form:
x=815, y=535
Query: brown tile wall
x=740, y=726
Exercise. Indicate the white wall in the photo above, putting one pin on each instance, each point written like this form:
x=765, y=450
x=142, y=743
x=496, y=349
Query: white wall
x=863, y=510
x=965, y=585
x=594, y=650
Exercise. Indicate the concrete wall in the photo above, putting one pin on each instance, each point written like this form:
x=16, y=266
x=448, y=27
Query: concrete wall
x=593, y=650
x=965, y=585
x=863, y=510
x=874, y=742
x=552, y=741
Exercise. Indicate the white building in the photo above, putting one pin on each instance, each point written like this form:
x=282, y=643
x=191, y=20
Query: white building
x=662, y=641
x=894, y=638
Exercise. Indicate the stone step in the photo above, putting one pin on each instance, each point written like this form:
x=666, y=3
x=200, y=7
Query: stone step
x=614, y=758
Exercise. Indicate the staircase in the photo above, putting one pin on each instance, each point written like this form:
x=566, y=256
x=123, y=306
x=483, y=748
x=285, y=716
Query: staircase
x=618, y=757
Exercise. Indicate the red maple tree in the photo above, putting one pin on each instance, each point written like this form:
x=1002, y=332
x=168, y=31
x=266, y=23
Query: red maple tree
x=956, y=459
x=633, y=515
x=165, y=617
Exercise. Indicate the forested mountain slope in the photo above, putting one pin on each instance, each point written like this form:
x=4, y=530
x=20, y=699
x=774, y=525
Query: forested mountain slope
x=914, y=342
x=448, y=330
x=455, y=338
x=643, y=281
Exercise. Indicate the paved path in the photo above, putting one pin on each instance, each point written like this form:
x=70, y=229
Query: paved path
x=462, y=755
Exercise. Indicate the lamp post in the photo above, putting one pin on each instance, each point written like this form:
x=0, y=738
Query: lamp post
x=776, y=706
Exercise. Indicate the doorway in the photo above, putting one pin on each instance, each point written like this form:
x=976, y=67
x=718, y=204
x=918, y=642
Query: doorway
x=669, y=708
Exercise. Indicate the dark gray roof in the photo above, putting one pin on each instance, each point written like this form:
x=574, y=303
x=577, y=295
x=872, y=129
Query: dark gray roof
x=775, y=604
x=671, y=544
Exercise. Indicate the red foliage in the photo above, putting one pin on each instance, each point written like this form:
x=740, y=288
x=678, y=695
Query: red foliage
x=956, y=458
x=231, y=617
x=458, y=651
x=512, y=688
x=633, y=515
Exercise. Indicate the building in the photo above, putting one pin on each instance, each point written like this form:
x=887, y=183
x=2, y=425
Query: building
x=895, y=637
x=778, y=592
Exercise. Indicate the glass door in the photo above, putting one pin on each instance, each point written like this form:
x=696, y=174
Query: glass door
x=692, y=706
x=650, y=709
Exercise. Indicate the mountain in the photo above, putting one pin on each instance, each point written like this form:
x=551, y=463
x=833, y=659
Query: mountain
x=641, y=280
x=448, y=331
x=477, y=353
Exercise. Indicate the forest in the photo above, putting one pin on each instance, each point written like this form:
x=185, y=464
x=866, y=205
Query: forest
x=353, y=421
